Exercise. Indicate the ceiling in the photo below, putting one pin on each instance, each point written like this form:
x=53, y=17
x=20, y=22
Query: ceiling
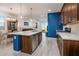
x=39, y=10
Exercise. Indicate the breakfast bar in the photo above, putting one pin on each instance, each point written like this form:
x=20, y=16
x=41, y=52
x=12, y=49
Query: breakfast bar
x=27, y=41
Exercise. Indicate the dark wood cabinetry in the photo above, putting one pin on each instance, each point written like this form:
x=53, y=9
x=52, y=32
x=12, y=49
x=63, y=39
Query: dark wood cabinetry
x=30, y=43
x=26, y=44
x=70, y=13
x=68, y=47
x=78, y=11
x=74, y=9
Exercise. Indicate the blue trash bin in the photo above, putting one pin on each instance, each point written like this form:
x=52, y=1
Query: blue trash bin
x=17, y=42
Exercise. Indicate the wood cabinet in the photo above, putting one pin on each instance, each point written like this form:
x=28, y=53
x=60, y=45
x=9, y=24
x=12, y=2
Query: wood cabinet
x=68, y=47
x=74, y=9
x=70, y=13
x=78, y=11
x=30, y=43
x=26, y=44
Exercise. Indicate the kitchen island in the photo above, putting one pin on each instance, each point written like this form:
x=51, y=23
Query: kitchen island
x=68, y=44
x=29, y=40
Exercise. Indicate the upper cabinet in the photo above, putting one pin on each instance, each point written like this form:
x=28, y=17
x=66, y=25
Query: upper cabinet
x=74, y=9
x=69, y=13
x=78, y=11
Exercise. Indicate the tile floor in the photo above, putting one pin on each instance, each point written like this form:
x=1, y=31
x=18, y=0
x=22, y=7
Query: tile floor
x=48, y=47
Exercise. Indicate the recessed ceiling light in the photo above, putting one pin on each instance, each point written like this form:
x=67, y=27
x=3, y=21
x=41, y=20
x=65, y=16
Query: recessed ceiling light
x=21, y=16
x=31, y=19
x=49, y=10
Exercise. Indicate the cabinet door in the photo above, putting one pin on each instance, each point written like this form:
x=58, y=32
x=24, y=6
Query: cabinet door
x=39, y=38
x=66, y=10
x=70, y=48
x=26, y=44
x=66, y=13
x=76, y=48
x=66, y=45
x=34, y=42
x=77, y=11
x=69, y=10
x=74, y=9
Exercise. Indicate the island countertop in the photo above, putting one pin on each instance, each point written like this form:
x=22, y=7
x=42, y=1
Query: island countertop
x=25, y=33
x=68, y=36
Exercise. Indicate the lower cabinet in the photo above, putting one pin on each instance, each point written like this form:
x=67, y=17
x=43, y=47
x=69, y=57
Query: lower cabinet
x=30, y=43
x=26, y=44
x=34, y=42
x=59, y=42
x=39, y=38
x=68, y=47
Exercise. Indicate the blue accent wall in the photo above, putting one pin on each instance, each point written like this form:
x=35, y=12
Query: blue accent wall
x=54, y=24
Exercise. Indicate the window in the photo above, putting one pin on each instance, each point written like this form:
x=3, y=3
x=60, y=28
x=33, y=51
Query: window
x=1, y=23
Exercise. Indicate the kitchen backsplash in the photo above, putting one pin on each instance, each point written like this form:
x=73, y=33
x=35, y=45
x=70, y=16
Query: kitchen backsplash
x=74, y=28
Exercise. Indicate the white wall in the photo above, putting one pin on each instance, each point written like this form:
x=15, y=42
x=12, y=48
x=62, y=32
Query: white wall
x=25, y=26
x=31, y=24
x=75, y=28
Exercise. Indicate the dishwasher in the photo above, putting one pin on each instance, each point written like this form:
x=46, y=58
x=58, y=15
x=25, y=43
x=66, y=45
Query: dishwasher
x=34, y=42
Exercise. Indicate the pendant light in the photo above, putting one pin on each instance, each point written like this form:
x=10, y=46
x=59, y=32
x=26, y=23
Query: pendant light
x=31, y=14
x=21, y=11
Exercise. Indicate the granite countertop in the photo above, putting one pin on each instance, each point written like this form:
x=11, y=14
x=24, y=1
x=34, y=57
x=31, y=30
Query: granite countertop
x=68, y=36
x=25, y=33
